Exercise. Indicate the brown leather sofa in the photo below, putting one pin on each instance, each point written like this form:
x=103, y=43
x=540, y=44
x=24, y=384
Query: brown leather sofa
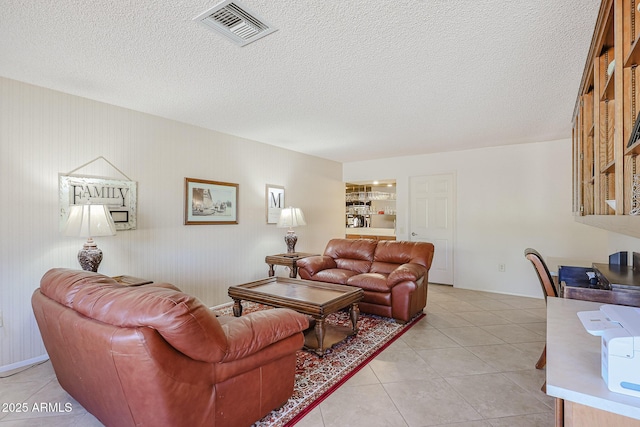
x=154, y=356
x=393, y=274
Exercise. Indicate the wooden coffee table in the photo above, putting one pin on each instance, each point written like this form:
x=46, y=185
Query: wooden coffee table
x=315, y=299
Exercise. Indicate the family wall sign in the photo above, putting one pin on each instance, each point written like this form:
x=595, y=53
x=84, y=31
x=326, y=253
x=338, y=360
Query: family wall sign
x=120, y=196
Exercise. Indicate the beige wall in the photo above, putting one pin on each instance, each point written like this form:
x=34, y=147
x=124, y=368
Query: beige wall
x=43, y=133
x=508, y=198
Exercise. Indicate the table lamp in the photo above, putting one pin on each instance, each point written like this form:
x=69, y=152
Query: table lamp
x=89, y=221
x=291, y=217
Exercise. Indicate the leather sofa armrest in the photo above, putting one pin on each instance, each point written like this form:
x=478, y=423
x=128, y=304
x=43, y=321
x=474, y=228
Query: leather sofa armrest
x=249, y=334
x=314, y=264
x=406, y=272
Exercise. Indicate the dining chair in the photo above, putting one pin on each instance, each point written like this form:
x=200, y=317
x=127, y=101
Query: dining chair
x=548, y=289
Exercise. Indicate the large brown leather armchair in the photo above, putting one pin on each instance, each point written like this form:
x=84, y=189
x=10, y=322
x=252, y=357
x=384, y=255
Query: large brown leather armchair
x=152, y=355
x=393, y=274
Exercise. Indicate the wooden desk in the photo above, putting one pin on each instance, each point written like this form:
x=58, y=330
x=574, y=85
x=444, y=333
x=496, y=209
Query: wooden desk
x=613, y=276
x=617, y=284
x=288, y=260
x=573, y=372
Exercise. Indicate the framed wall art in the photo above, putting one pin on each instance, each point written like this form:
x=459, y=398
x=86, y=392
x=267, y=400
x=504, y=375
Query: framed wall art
x=120, y=196
x=275, y=202
x=210, y=202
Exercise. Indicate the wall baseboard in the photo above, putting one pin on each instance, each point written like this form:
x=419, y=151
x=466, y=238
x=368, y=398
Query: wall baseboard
x=24, y=363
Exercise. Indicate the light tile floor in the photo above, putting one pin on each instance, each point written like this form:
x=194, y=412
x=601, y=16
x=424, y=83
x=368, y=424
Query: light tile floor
x=469, y=363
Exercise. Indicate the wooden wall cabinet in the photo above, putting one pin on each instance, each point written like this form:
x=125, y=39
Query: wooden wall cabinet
x=604, y=116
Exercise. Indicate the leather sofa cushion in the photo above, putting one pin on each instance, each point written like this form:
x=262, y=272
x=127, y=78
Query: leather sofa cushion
x=374, y=282
x=354, y=265
x=356, y=254
x=383, y=267
x=334, y=275
x=401, y=252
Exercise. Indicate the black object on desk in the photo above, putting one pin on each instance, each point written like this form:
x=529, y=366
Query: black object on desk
x=619, y=258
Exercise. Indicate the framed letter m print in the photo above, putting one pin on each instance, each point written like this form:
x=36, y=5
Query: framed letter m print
x=275, y=203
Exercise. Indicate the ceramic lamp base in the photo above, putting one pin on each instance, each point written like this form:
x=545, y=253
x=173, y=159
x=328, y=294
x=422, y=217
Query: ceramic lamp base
x=291, y=239
x=90, y=256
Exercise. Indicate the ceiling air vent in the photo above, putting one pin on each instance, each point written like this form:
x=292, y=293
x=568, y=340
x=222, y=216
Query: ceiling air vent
x=235, y=22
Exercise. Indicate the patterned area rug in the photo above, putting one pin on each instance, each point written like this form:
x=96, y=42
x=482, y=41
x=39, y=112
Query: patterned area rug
x=317, y=378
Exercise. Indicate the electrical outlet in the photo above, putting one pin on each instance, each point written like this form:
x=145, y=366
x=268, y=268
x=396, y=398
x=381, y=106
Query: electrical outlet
x=502, y=268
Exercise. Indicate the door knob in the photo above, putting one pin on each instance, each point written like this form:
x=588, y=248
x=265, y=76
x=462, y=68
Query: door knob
x=413, y=234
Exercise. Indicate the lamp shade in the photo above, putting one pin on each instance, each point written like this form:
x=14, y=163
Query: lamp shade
x=291, y=217
x=89, y=221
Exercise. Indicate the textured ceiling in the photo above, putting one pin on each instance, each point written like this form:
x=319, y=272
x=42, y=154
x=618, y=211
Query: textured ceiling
x=344, y=80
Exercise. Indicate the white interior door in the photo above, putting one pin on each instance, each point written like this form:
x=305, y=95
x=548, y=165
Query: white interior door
x=432, y=220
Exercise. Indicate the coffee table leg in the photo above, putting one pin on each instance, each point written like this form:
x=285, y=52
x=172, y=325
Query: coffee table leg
x=319, y=329
x=237, y=308
x=354, y=312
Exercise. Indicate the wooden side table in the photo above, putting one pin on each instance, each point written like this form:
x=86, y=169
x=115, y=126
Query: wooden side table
x=131, y=281
x=288, y=260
